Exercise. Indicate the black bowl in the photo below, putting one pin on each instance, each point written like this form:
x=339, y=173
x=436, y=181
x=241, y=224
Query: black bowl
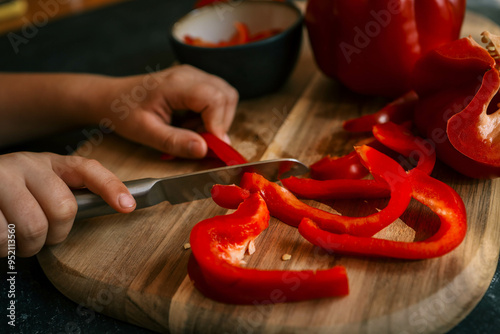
x=254, y=68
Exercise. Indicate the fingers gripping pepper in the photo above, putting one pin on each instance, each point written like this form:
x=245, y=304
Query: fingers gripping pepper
x=219, y=244
x=438, y=196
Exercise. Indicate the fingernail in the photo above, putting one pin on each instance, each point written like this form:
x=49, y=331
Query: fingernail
x=226, y=139
x=126, y=201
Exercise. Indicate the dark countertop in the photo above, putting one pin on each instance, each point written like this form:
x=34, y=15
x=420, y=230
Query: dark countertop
x=125, y=39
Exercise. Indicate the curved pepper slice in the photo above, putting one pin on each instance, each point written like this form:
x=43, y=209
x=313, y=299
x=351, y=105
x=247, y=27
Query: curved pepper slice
x=286, y=207
x=229, y=196
x=348, y=166
x=397, y=111
x=344, y=167
x=438, y=196
x=336, y=189
x=399, y=139
x=218, y=245
x=223, y=150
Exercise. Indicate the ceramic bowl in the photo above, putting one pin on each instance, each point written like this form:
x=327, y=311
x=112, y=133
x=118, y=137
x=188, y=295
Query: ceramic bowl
x=253, y=68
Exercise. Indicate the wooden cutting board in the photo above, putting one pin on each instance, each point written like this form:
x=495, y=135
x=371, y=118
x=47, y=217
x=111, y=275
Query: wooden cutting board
x=134, y=267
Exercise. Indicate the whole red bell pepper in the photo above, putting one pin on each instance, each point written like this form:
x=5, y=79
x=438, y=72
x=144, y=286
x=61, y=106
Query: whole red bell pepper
x=372, y=46
x=218, y=245
x=457, y=85
x=438, y=196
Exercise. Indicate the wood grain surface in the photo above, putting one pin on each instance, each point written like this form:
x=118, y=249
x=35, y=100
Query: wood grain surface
x=134, y=267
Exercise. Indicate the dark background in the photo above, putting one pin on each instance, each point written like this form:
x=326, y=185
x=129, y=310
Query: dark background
x=118, y=40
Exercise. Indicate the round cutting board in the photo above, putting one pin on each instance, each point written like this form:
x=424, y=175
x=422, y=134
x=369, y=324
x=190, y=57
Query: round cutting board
x=134, y=267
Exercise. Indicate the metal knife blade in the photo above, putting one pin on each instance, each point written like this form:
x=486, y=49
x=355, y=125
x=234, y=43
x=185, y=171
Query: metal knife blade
x=186, y=187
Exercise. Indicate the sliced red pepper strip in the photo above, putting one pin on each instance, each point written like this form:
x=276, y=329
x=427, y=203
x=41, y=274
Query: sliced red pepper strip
x=242, y=33
x=223, y=150
x=399, y=139
x=345, y=167
x=241, y=36
x=229, y=196
x=438, y=196
x=336, y=189
x=348, y=166
x=218, y=245
x=286, y=207
x=397, y=111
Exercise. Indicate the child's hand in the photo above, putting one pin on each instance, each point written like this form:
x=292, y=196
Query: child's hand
x=35, y=196
x=141, y=108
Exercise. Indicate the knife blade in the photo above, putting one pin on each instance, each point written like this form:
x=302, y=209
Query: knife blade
x=185, y=187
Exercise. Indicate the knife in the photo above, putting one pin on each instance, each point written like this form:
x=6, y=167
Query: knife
x=185, y=187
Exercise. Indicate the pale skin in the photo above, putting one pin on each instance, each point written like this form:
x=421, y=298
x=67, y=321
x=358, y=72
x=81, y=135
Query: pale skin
x=35, y=192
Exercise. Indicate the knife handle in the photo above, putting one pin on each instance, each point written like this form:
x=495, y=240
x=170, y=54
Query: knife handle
x=92, y=205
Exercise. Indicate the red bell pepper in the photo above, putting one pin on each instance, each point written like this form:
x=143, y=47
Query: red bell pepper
x=336, y=189
x=242, y=35
x=344, y=167
x=223, y=150
x=229, y=196
x=219, y=149
x=438, y=196
x=218, y=245
x=386, y=136
x=458, y=87
x=372, y=46
x=399, y=139
x=348, y=166
x=286, y=207
x=398, y=111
